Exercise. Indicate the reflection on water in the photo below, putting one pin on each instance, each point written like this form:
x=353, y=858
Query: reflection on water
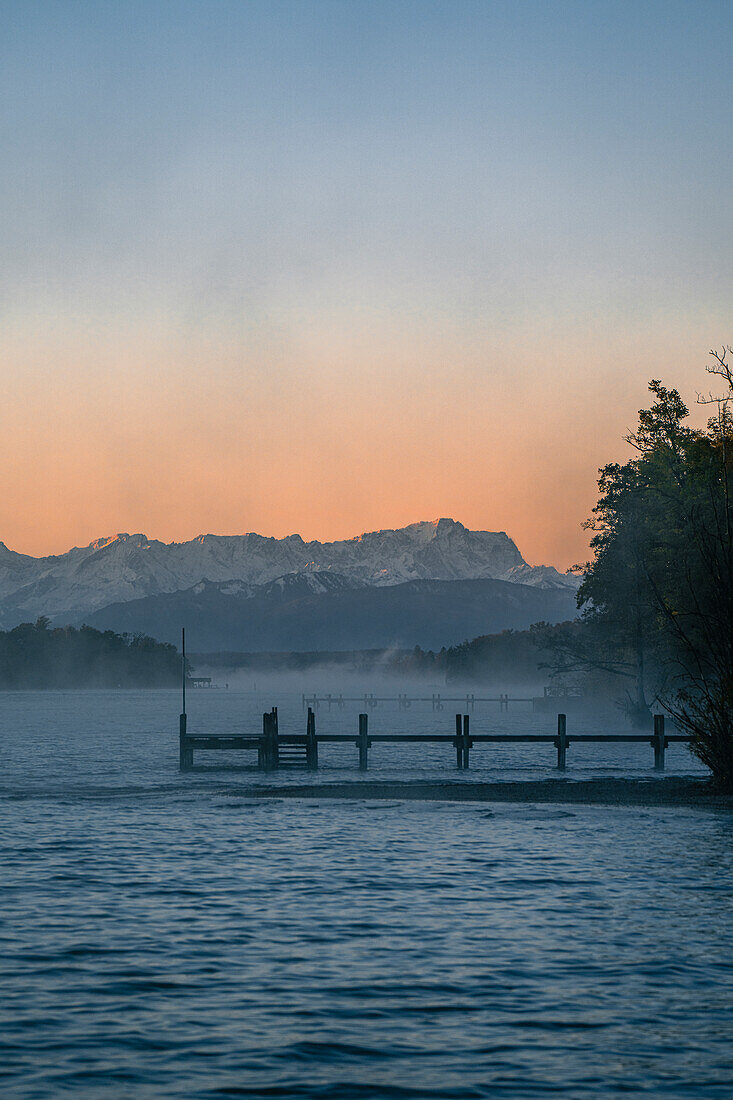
x=166, y=935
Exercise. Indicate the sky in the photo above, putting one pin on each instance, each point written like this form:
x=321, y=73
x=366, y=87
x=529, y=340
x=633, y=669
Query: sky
x=329, y=267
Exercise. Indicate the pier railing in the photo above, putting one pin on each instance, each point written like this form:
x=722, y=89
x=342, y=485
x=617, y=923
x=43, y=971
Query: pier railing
x=275, y=750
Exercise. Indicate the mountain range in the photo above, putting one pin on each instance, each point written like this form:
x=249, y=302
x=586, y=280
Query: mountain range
x=253, y=592
x=320, y=611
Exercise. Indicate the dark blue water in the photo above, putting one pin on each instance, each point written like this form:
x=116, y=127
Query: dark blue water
x=172, y=936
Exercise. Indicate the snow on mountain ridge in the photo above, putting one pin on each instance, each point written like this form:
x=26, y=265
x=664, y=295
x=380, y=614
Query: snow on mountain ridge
x=126, y=567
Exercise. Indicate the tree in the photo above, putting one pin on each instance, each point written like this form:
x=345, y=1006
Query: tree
x=658, y=595
x=697, y=599
x=620, y=634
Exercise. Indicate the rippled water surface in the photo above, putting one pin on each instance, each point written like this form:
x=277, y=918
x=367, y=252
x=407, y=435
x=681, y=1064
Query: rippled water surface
x=173, y=936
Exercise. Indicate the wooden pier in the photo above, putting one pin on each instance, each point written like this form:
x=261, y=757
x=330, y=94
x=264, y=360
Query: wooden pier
x=275, y=750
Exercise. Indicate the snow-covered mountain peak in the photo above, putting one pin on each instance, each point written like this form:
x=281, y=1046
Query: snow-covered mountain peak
x=99, y=544
x=126, y=567
x=122, y=537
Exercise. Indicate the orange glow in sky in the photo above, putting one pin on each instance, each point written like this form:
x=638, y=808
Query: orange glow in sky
x=329, y=442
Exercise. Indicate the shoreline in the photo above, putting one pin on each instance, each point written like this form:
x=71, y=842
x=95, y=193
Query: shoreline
x=592, y=792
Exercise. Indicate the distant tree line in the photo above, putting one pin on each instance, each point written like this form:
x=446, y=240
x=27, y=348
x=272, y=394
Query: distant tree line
x=511, y=656
x=292, y=660
x=38, y=656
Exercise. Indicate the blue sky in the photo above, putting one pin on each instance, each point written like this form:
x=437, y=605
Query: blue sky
x=296, y=189
x=473, y=142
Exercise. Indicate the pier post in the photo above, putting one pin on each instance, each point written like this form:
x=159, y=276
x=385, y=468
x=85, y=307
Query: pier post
x=185, y=753
x=263, y=754
x=561, y=741
x=269, y=740
x=275, y=734
x=363, y=742
x=311, y=744
x=466, y=741
x=459, y=743
x=659, y=742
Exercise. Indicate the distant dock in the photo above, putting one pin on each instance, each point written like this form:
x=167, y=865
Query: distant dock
x=370, y=700
x=438, y=702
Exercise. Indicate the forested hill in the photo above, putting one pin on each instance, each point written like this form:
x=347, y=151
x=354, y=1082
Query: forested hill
x=34, y=656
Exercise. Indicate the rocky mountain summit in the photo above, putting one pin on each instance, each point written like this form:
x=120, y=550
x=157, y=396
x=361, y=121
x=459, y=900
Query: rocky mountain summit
x=126, y=567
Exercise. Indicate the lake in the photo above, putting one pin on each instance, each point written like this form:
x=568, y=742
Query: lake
x=168, y=935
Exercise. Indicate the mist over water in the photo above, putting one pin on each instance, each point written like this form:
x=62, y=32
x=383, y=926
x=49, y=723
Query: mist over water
x=131, y=737
x=170, y=935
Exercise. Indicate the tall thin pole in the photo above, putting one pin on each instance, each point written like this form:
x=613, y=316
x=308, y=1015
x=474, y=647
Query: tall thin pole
x=185, y=751
x=183, y=667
